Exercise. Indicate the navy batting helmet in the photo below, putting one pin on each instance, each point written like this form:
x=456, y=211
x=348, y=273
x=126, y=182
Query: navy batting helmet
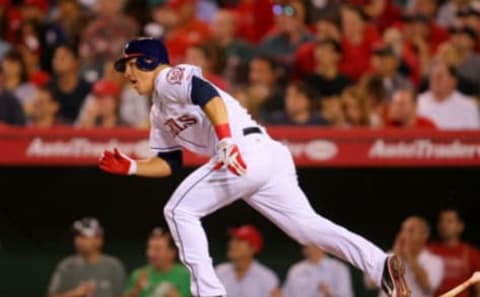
x=150, y=53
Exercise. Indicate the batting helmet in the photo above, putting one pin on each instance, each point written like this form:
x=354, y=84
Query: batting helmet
x=150, y=53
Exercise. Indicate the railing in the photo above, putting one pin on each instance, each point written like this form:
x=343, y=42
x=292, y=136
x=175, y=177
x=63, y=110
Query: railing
x=311, y=147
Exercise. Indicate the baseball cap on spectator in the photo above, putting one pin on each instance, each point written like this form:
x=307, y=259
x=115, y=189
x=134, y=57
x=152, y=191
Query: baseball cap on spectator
x=249, y=234
x=40, y=4
x=106, y=88
x=464, y=30
x=88, y=227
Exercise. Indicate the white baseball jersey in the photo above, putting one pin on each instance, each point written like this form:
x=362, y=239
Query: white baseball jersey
x=177, y=122
x=259, y=280
x=270, y=184
x=304, y=279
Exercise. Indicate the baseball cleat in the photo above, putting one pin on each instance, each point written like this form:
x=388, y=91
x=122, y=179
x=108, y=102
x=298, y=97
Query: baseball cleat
x=393, y=280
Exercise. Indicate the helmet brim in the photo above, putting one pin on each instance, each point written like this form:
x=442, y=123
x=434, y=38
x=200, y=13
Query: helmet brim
x=121, y=64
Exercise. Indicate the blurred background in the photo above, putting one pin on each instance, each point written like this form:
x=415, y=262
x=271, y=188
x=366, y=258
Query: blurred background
x=376, y=99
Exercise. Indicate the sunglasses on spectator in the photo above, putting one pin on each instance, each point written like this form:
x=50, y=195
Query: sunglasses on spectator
x=279, y=9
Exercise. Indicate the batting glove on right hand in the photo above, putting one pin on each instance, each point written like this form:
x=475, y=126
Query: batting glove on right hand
x=229, y=155
x=117, y=163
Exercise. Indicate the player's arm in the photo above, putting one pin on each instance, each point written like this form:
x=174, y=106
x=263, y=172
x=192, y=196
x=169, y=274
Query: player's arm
x=208, y=98
x=161, y=165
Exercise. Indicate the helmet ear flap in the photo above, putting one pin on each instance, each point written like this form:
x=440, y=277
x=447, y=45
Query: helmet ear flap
x=147, y=63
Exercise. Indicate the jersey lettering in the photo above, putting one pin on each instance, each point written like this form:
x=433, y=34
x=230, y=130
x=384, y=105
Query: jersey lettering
x=176, y=126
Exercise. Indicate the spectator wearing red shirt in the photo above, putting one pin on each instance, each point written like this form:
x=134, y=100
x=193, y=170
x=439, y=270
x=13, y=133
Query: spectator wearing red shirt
x=383, y=13
x=254, y=19
x=460, y=259
x=189, y=30
x=290, y=33
x=402, y=112
x=325, y=28
x=358, y=39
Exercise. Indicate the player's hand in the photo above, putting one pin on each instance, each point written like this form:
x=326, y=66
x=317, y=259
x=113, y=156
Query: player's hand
x=229, y=156
x=117, y=163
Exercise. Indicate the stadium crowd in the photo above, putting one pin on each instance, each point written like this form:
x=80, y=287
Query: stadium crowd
x=367, y=63
x=432, y=266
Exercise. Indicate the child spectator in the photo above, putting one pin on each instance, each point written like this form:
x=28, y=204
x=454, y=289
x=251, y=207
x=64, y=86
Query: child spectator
x=44, y=109
x=402, y=112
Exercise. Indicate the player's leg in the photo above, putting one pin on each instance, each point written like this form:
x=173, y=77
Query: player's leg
x=200, y=194
x=284, y=203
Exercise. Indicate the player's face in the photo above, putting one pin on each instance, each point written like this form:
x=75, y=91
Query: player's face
x=141, y=81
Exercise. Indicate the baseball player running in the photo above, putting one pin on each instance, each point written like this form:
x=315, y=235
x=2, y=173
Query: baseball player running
x=190, y=112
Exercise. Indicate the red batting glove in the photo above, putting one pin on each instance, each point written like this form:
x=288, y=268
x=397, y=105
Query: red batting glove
x=229, y=156
x=117, y=163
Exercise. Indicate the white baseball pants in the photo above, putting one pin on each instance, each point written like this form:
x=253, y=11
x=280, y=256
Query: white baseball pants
x=270, y=186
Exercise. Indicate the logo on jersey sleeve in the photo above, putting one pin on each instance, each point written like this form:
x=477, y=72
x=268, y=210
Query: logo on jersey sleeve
x=177, y=125
x=175, y=75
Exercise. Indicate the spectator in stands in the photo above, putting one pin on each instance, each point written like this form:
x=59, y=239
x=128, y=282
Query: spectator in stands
x=472, y=20
x=356, y=107
x=68, y=86
x=290, y=34
x=264, y=91
x=318, y=275
x=447, y=13
x=385, y=64
x=423, y=270
x=332, y=111
x=15, y=77
x=89, y=272
x=460, y=258
x=424, y=13
x=162, y=276
x=237, y=52
x=402, y=111
x=408, y=60
x=45, y=109
x=133, y=109
x=105, y=36
x=188, y=30
x=48, y=35
x=382, y=13
x=357, y=42
x=254, y=19
x=318, y=10
x=325, y=28
x=373, y=89
x=70, y=17
x=327, y=78
x=101, y=107
x=464, y=40
x=298, y=107
x=11, y=111
x=211, y=59
x=164, y=19
x=243, y=275
x=444, y=105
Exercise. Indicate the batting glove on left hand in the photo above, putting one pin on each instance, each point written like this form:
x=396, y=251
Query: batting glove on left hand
x=229, y=156
x=117, y=163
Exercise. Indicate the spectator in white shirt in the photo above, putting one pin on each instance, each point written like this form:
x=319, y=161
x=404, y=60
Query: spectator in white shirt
x=318, y=276
x=243, y=276
x=444, y=105
x=423, y=270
